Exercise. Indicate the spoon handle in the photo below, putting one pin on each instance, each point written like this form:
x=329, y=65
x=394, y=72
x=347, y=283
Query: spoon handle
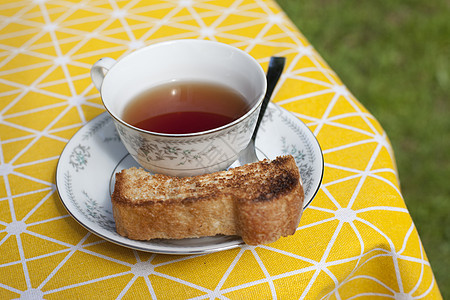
x=276, y=66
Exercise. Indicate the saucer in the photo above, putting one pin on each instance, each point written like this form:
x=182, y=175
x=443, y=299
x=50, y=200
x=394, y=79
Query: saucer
x=88, y=163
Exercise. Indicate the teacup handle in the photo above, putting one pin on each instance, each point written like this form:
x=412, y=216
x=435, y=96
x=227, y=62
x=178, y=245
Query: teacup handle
x=99, y=70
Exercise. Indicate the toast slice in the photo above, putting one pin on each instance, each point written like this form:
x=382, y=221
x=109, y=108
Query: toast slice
x=260, y=202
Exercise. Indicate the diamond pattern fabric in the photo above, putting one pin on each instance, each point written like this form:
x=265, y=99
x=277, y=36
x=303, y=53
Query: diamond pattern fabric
x=355, y=240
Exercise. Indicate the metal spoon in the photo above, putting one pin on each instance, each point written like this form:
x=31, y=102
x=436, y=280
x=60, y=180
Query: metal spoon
x=276, y=66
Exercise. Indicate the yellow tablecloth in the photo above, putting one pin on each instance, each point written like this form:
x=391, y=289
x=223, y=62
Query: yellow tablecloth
x=355, y=240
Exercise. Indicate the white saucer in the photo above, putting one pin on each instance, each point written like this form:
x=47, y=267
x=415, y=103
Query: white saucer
x=86, y=168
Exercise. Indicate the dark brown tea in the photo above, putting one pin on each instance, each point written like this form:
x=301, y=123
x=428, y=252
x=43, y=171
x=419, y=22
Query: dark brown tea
x=185, y=107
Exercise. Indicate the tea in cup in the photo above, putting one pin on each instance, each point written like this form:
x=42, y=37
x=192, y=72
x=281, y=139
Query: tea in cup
x=183, y=107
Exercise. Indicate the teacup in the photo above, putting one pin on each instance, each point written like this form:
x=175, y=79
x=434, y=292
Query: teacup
x=187, y=154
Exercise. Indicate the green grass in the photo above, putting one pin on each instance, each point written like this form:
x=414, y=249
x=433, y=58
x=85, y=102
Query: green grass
x=393, y=56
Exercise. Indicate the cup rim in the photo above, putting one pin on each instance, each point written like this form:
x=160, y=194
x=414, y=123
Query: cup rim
x=199, y=133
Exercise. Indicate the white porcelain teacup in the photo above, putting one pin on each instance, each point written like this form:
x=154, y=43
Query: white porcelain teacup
x=187, y=154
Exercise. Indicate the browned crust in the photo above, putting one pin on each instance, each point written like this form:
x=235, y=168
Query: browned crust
x=259, y=202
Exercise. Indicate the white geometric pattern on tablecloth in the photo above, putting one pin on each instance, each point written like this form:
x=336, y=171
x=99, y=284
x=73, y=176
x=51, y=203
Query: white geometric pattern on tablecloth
x=47, y=48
